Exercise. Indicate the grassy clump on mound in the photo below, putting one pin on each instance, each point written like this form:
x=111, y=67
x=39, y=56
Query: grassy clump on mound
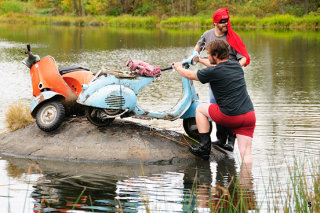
x=18, y=116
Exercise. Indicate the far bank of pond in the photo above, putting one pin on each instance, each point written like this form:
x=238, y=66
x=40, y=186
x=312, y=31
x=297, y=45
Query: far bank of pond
x=311, y=22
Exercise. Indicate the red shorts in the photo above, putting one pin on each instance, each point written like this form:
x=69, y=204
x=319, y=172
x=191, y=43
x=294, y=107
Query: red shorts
x=240, y=124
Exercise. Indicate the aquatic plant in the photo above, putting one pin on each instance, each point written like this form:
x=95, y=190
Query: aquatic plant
x=18, y=116
x=305, y=192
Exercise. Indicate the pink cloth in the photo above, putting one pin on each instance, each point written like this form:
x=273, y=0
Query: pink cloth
x=144, y=68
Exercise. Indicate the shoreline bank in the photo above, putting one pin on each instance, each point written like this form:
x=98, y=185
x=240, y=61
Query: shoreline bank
x=310, y=22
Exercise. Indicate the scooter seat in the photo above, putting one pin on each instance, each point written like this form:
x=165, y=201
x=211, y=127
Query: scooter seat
x=65, y=70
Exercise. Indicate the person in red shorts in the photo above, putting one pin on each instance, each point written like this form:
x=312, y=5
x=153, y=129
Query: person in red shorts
x=234, y=108
x=237, y=51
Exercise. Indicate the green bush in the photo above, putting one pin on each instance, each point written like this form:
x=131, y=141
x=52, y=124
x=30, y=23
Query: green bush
x=45, y=11
x=12, y=6
x=296, y=10
x=113, y=11
x=144, y=9
x=9, y=7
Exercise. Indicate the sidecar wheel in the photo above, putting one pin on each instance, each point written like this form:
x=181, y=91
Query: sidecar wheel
x=93, y=117
x=50, y=116
x=190, y=126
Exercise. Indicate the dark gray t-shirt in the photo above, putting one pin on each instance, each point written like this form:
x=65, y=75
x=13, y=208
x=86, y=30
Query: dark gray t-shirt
x=228, y=86
x=209, y=36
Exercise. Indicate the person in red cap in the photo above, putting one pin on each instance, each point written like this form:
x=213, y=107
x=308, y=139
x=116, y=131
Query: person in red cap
x=237, y=51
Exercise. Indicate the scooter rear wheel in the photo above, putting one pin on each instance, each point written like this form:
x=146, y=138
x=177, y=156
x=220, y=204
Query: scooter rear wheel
x=190, y=126
x=50, y=116
x=94, y=118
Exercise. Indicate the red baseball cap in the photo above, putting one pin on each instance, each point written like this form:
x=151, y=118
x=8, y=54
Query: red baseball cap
x=219, y=14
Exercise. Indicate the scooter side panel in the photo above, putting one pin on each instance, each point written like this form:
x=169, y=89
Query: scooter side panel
x=113, y=96
x=95, y=85
x=135, y=84
x=178, y=110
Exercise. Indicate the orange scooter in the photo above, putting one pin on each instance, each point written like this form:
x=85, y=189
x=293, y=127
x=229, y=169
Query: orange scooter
x=55, y=91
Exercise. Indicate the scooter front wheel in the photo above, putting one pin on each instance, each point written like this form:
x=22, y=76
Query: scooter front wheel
x=94, y=115
x=50, y=116
x=190, y=126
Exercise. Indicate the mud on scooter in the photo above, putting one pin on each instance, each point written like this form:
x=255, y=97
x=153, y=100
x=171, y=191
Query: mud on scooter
x=55, y=91
x=114, y=94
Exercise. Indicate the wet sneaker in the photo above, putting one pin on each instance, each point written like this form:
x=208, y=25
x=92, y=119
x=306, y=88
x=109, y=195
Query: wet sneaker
x=228, y=147
x=222, y=146
x=200, y=152
x=218, y=143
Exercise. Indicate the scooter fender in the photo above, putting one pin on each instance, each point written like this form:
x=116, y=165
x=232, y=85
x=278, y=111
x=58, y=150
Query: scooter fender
x=191, y=112
x=42, y=97
x=114, y=96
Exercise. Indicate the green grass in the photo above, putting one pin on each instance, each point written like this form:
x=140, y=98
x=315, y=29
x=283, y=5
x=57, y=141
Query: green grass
x=305, y=191
x=272, y=22
x=125, y=20
x=284, y=21
x=9, y=6
x=16, y=7
x=183, y=21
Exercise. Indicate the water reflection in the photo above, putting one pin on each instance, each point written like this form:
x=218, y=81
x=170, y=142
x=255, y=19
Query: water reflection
x=283, y=81
x=224, y=189
x=182, y=187
x=70, y=40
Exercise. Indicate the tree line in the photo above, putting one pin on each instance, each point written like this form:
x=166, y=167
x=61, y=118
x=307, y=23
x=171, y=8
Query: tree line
x=166, y=8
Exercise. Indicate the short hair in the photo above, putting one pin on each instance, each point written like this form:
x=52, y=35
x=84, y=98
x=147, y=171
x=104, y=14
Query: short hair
x=218, y=47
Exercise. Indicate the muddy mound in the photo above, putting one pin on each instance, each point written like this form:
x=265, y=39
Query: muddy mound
x=79, y=140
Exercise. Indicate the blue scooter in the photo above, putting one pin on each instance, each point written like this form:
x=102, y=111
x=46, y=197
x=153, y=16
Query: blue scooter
x=114, y=94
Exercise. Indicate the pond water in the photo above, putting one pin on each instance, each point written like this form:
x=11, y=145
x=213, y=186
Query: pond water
x=283, y=81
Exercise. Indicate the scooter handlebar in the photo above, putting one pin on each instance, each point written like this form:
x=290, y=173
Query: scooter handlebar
x=167, y=68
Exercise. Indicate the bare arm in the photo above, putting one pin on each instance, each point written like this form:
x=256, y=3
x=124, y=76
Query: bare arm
x=185, y=72
x=197, y=48
x=203, y=61
x=243, y=61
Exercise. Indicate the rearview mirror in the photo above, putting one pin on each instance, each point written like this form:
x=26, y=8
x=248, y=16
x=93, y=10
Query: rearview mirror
x=195, y=60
